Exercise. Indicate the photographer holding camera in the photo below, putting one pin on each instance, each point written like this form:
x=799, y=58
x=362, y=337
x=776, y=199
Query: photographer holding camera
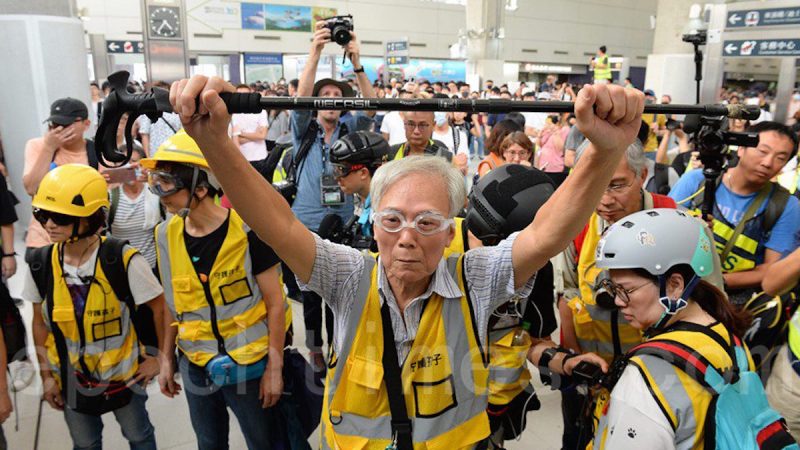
x=318, y=193
x=355, y=159
x=755, y=214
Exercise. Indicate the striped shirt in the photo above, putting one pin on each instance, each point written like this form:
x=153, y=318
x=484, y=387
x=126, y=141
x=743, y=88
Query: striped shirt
x=129, y=221
x=490, y=279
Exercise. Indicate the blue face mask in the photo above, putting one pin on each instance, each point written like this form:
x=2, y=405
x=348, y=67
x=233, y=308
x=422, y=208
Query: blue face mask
x=440, y=118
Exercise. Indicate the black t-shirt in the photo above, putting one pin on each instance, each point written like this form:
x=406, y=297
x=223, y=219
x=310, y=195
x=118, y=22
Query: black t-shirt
x=203, y=250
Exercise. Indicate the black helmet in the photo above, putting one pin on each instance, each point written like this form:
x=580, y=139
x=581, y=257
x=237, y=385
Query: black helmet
x=361, y=147
x=506, y=200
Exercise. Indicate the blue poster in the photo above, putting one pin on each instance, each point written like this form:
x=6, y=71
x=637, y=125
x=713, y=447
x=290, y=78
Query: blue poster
x=428, y=69
x=253, y=16
x=263, y=58
x=287, y=18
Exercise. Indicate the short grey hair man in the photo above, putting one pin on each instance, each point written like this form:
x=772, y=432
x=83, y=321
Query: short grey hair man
x=391, y=172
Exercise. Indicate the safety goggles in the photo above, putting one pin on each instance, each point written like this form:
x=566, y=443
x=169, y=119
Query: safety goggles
x=343, y=170
x=163, y=183
x=43, y=215
x=426, y=224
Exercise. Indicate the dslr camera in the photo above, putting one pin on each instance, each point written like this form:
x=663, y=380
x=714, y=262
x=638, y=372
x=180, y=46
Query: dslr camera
x=340, y=27
x=347, y=233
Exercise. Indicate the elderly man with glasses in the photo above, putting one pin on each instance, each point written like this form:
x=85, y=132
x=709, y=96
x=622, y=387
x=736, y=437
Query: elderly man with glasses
x=409, y=351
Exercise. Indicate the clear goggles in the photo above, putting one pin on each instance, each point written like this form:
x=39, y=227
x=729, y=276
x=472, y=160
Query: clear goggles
x=426, y=224
x=163, y=183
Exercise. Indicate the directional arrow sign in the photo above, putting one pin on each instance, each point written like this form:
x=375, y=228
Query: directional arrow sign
x=125, y=46
x=762, y=47
x=763, y=17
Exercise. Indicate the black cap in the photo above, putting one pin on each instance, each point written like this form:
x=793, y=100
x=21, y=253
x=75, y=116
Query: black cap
x=347, y=90
x=65, y=111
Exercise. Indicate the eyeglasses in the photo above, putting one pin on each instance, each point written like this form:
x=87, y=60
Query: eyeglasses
x=163, y=183
x=614, y=189
x=343, y=170
x=426, y=224
x=43, y=215
x=619, y=291
x=511, y=154
x=422, y=126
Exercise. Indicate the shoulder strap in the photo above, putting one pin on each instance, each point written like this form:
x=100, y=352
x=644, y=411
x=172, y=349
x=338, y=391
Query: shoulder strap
x=112, y=210
x=751, y=211
x=777, y=203
x=112, y=260
x=40, y=266
x=168, y=124
x=305, y=146
x=90, y=153
x=401, y=424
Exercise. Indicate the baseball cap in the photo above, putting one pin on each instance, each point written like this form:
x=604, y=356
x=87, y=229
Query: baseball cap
x=347, y=90
x=649, y=93
x=65, y=111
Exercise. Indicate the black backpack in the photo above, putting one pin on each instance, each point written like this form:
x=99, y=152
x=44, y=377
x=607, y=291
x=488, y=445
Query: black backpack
x=110, y=255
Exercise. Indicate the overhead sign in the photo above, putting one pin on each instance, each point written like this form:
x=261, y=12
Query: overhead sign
x=762, y=47
x=763, y=17
x=125, y=46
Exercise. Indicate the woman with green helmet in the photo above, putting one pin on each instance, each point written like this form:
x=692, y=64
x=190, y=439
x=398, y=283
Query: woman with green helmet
x=668, y=388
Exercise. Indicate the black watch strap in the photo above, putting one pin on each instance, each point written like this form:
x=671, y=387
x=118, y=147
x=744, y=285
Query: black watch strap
x=547, y=356
x=359, y=70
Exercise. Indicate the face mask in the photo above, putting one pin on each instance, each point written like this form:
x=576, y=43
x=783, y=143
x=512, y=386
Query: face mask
x=440, y=118
x=649, y=101
x=796, y=97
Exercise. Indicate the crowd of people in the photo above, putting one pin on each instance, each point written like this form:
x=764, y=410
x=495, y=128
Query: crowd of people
x=441, y=251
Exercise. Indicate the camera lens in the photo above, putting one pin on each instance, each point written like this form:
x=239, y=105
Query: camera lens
x=341, y=35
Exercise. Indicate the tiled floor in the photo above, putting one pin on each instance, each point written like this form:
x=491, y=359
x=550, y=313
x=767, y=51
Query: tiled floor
x=171, y=417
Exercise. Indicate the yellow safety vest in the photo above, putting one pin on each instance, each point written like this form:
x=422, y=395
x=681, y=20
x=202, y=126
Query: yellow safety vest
x=110, y=345
x=508, y=370
x=598, y=330
x=280, y=174
x=683, y=400
x=602, y=74
x=223, y=311
x=794, y=335
x=444, y=378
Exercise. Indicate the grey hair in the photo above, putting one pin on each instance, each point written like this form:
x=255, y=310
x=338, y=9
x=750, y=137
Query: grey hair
x=634, y=154
x=434, y=166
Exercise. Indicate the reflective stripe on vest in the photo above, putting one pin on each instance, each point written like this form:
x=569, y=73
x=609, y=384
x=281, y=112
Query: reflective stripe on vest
x=594, y=326
x=794, y=334
x=508, y=370
x=748, y=250
x=238, y=312
x=110, y=346
x=683, y=400
x=446, y=401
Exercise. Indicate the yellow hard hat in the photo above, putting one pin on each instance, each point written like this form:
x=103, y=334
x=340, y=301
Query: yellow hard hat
x=72, y=189
x=181, y=149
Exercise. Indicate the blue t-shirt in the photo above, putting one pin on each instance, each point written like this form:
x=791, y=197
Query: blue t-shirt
x=307, y=204
x=733, y=206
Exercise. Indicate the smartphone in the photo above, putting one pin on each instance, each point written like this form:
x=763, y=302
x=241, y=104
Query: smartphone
x=587, y=373
x=121, y=174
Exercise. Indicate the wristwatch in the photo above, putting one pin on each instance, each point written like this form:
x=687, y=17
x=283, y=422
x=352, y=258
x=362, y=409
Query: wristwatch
x=9, y=255
x=359, y=70
x=547, y=356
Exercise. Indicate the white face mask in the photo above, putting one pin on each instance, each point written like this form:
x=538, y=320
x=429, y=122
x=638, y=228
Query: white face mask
x=440, y=118
x=796, y=96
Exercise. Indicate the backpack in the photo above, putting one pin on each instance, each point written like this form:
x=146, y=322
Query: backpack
x=111, y=259
x=743, y=418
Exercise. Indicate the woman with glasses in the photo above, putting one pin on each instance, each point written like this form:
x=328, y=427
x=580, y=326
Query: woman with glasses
x=494, y=146
x=667, y=388
x=85, y=290
x=225, y=304
x=517, y=148
x=408, y=363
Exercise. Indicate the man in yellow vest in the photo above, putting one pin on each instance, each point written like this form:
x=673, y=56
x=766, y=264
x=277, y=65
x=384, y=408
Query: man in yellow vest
x=601, y=67
x=85, y=290
x=782, y=384
x=224, y=299
x=419, y=133
x=409, y=367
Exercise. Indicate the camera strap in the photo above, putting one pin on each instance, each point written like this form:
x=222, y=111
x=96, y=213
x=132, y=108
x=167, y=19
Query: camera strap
x=755, y=205
x=401, y=424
